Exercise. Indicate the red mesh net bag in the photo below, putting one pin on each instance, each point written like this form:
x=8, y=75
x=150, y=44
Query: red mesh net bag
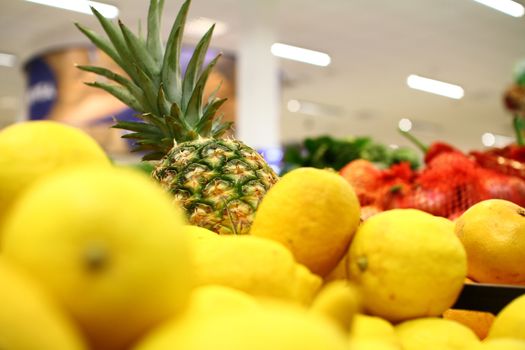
x=446, y=187
x=449, y=184
x=499, y=160
x=452, y=181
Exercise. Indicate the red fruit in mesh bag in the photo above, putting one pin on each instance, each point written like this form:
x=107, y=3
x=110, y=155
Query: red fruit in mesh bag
x=433, y=200
x=392, y=196
x=516, y=152
x=364, y=177
x=396, y=184
x=501, y=186
x=448, y=185
x=438, y=148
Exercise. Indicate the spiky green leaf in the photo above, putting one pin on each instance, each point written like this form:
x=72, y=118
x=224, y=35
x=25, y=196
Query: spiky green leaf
x=219, y=127
x=149, y=89
x=194, y=67
x=119, y=43
x=147, y=142
x=171, y=73
x=176, y=113
x=156, y=121
x=141, y=56
x=120, y=93
x=137, y=127
x=178, y=128
x=104, y=45
x=205, y=124
x=153, y=40
x=128, y=84
x=162, y=103
x=193, y=111
x=139, y=136
x=153, y=156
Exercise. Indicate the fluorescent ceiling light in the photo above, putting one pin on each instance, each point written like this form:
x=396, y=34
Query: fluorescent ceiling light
x=508, y=7
x=435, y=86
x=299, y=54
x=82, y=6
x=489, y=139
x=294, y=106
x=199, y=26
x=7, y=60
x=405, y=124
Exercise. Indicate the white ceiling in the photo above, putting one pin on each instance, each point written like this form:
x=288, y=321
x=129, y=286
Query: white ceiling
x=374, y=45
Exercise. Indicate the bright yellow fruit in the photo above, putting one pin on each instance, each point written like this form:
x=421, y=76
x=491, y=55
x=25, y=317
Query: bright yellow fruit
x=435, y=334
x=500, y=344
x=314, y=213
x=408, y=263
x=493, y=233
x=339, y=301
x=510, y=322
x=108, y=244
x=30, y=150
x=209, y=300
x=365, y=327
x=372, y=344
x=199, y=233
x=275, y=328
x=29, y=319
x=258, y=266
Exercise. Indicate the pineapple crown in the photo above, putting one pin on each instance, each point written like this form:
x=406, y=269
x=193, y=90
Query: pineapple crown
x=170, y=106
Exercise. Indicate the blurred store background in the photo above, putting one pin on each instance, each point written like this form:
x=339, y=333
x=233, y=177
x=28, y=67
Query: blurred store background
x=360, y=86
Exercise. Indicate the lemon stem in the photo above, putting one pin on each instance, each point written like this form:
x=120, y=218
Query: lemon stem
x=362, y=263
x=96, y=258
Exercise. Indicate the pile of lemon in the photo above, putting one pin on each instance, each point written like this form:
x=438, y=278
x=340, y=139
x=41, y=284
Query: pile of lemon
x=93, y=256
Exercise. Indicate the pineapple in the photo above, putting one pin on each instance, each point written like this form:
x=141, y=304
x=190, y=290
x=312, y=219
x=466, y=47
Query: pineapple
x=219, y=182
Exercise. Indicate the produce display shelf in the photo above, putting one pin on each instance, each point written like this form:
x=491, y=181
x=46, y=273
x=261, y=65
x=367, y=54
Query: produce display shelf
x=487, y=297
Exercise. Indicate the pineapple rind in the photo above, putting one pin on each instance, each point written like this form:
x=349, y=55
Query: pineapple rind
x=219, y=183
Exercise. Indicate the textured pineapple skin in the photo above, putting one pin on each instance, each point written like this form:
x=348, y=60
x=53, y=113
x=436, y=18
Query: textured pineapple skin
x=219, y=182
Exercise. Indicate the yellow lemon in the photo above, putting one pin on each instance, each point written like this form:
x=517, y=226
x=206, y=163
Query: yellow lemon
x=314, y=213
x=275, y=328
x=258, y=266
x=435, y=334
x=510, y=322
x=30, y=150
x=108, y=244
x=493, y=233
x=209, y=300
x=339, y=301
x=500, y=344
x=372, y=344
x=306, y=285
x=366, y=327
x=29, y=319
x=197, y=233
x=408, y=263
